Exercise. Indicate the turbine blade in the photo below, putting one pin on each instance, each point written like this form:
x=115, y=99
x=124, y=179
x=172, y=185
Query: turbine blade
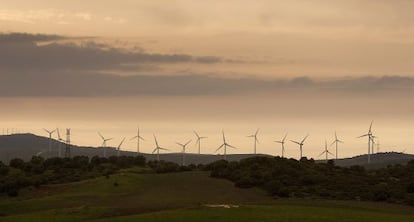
x=198, y=136
x=284, y=138
x=154, y=150
x=322, y=153
x=119, y=146
x=219, y=148
x=134, y=137
x=295, y=142
x=231, y=146
x=257, y=131
x=305, y=138
x=362, y=136
x=156, y=142
x=142, y=138
x=101, y=135
x=58, y=133
x=187, y=143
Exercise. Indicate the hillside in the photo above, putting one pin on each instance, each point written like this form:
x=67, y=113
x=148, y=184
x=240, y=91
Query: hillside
x=24, y=146
x=378, y=160
x=190, y=196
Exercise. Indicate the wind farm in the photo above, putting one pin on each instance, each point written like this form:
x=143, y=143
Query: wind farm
x=191, y=110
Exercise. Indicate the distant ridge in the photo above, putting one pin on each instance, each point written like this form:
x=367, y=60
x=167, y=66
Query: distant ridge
x=25, y=146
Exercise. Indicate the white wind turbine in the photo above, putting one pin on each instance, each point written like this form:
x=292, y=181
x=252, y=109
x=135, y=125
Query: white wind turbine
x=183, y=151
x=370, y=139
x=301, y=145
x=198, y=141
x=104, y=140
x=282, y=142
x=225, y=145
x=158, y=148
x=61, y=140
x=336, y=141
x=326, y=152
x=119, y=147
x=50, y=132
x=256, y=141
x=138, y=137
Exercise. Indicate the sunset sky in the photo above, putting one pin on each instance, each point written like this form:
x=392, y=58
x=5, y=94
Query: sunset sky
x=297, y=67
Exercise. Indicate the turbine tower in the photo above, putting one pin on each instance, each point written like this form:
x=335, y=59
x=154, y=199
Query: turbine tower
x=183, y=151
x=282, y=142
x=370, y=139
x=225, y=145
x=119, y=147
x=158, y=148
x=256, y=141
x=336, y=141
x=198, y=141
x=326, y=152
x=104, y=140
x=50, y=132
x=60, y=139
x=67, y=150
x=301, y=143
x=138, y=137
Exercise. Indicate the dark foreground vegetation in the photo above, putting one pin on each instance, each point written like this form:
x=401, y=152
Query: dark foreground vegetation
x=280, y=177
x=39, y=171
x=307, y=179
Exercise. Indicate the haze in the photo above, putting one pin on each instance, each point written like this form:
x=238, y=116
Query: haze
x=172, y=67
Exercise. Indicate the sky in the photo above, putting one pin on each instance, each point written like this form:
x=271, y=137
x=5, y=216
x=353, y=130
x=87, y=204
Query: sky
x=298, y=67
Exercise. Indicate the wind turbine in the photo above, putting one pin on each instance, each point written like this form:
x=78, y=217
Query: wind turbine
x=50, y=132
x=254, y=136
x=336, y=141
x=158, y=148
x=183, y=151
x=370, y=138
x=225, y=145
x=282, y=142
x=60, y=142
x=119, y=147
x=326, y=151
x=198, y=141
x=300, y=145
x=104, y=140
x=138, y=137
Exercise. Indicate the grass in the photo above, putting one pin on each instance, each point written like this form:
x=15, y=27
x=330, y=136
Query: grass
x=269, y=213
x=134, y=195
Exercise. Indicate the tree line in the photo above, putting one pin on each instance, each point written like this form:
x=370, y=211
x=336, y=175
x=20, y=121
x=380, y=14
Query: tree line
x=282, y=177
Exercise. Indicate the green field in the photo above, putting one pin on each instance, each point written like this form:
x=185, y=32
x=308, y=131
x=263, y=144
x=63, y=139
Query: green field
x=133, y=196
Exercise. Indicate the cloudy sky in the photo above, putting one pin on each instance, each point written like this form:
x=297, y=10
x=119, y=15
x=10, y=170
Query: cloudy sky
x=297, y=66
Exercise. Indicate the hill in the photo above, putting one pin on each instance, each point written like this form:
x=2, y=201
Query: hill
x=378, y=160
x=190, y=196
x=25, y=146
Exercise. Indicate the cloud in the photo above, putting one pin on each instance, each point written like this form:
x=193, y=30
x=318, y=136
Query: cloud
x=6, y=38
x=20, y=51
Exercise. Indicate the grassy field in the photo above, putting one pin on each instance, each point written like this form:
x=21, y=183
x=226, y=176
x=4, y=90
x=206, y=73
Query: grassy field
x=131, y=196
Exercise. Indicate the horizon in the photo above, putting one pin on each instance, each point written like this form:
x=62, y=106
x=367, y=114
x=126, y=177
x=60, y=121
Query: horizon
x=298, y=67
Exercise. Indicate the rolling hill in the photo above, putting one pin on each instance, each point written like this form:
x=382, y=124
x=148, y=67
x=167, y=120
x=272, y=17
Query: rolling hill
x=24, y=146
